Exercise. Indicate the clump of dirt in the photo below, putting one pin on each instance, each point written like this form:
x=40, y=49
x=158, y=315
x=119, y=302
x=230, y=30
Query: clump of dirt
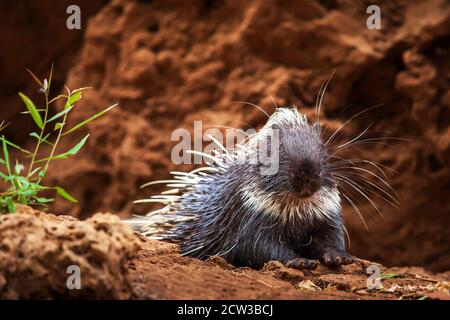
x=36, y=250
x=159, y=272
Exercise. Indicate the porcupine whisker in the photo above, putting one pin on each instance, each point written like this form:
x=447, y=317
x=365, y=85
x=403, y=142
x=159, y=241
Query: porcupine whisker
x=388, y=138
x=395, y=201
x=347, y=236
x=375, y=164
x=355, y=208
x=227, y=127
x=351, y=183
x=387, y=135
x=348, y=121
x=378, y=140
x=322, y=95
x=376, y=176
x=254, y=105
x=356, y=137
x=354, y=196
x=319, y=94
x=363, y=142
x=273, y=99
x=343, y=166
x=377, y=194
x=382, y=139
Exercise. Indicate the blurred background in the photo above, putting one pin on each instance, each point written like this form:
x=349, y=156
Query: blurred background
x=169, y=63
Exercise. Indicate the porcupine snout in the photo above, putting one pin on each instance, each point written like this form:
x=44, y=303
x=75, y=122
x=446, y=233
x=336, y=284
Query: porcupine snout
x=305, y=177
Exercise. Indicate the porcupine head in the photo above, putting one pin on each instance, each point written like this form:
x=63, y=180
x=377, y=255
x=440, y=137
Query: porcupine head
x=271, y=198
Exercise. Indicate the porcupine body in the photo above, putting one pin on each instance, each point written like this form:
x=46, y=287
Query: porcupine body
x=233, y=208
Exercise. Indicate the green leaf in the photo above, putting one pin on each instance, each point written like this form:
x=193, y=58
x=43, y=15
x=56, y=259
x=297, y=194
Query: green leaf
x=4, y=176
x=23, y=184
x=59, y=114
x=391, y=275
x=10, y=205
x=79, y=145
x=63, y=193
x=71, y=152
x=95, y=116
x=33, y=110
x=2, y=138
x=44, y=139
x=74, y=97
x=6, y=155
x=44, y=200
x=58, y=126
x=43, y=171
x=18, y=168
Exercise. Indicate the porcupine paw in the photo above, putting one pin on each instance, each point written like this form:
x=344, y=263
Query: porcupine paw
x=336, y=258
x=302, y=263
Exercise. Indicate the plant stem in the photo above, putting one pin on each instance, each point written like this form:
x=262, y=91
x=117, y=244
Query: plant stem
x=38, y=144
x=45, y=167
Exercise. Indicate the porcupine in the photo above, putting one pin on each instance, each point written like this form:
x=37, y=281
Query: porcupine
x=231, y=209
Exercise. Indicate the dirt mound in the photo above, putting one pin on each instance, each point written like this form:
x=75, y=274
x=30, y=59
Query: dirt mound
x=37, y=250
x=160, y=272
x=169, y=63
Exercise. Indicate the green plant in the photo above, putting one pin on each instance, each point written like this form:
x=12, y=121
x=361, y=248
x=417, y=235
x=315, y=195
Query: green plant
x=24, y=179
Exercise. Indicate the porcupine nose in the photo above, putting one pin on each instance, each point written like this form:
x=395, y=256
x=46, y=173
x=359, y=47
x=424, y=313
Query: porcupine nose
x=305, y=178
